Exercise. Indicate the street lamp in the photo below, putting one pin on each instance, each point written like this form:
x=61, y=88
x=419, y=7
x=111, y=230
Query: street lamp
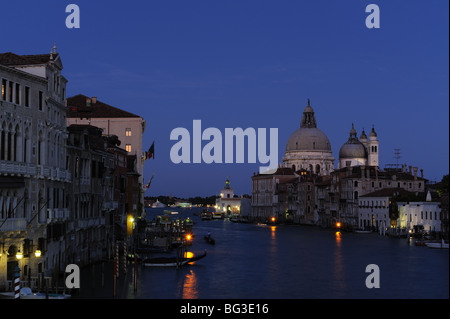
x=37, y=253
x=19, y=255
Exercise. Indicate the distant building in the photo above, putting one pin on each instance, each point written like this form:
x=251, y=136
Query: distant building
x=374, y=208
x=33, y=169
x=128, y=127
x=228, y=203
x=266, y=201
x=423, y=214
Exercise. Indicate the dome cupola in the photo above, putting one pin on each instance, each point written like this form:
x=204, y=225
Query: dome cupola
x=353, y=151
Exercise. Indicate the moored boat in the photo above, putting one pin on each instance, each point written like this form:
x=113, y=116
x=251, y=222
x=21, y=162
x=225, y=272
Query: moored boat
x=217, y=215
x=171, y=261
x=441, y=245
x=206, y=215
x=362, y=231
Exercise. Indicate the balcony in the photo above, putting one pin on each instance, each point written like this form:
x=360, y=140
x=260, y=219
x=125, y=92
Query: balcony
x=57, y=214
x=13, y=168
x=13, y=224
x=17, y=168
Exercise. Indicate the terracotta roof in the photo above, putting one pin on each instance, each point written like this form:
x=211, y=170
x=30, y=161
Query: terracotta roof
x=77, y=107
x=10, y=58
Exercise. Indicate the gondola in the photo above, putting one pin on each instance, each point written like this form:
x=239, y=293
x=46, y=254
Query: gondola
x=209, y=240
x=171, y=261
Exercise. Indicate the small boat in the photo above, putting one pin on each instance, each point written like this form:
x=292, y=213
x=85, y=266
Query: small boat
x=206, y=215
x=441, y=245
x=424, y=242
x=217, y=215
x=362, y=231
x=171, y=261
x=158, y=204
x=210, y=240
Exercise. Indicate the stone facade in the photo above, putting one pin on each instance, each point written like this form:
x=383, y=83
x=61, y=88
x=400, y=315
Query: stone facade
x=33, y=173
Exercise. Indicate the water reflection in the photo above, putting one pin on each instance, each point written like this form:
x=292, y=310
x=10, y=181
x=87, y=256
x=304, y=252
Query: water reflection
x=190, y=286
x=339, y=281
x=273, y=231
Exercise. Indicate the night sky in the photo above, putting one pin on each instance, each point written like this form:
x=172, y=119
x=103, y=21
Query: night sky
x=253, y=64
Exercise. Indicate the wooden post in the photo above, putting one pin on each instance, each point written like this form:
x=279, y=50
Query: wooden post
x=125, y=256
x=16, y=283
x=135, y=273
x=103, y=274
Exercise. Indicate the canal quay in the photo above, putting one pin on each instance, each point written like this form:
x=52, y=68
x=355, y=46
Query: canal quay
x=252, y=261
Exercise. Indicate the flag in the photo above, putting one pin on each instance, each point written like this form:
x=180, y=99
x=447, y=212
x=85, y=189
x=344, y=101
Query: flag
x=148, y=184
x=151, y=151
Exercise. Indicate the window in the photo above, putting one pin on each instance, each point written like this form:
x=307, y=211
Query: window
x=17, y=93
x=128, y=148
x=11, y=85
x=40, y=100
x=27, y=96
x=128, y=132
x=3, y=89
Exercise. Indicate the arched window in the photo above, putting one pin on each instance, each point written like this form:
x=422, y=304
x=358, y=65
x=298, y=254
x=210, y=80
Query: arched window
x=10, y=144
x=317, y=169
x=356, y=195
x=26, y=145
x=17, y=144
x=39, y=150
x=2, y=142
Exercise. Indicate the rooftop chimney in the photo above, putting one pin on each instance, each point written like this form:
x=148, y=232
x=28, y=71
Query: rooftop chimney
x=410, y=171
x=415, y=172
x=94, y=99
x=421, y=173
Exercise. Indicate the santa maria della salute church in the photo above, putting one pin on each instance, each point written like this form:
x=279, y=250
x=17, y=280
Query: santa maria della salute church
x=309, y=149
x=310, y=188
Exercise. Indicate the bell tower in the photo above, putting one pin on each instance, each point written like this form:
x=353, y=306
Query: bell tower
x=373, y=149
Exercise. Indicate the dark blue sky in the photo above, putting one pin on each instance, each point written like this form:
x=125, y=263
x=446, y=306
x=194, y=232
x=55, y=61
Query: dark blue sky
x=253, y=64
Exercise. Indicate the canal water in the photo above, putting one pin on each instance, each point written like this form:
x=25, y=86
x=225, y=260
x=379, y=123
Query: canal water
x=251, y=261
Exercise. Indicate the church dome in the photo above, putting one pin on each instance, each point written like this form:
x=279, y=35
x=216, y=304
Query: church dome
x=353, y=148
x=308, y=137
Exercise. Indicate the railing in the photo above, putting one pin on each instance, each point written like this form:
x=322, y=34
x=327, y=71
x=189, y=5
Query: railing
x=30, y=169
x=58, y=214
x=14, y=224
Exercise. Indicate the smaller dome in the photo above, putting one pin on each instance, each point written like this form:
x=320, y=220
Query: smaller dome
x=353, y=148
